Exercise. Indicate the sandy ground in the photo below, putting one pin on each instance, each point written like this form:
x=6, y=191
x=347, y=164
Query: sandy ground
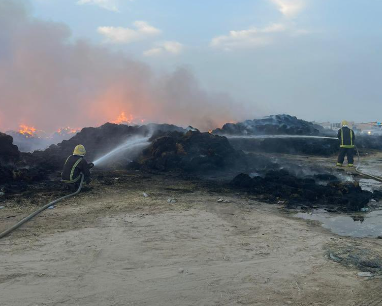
x=113, y=246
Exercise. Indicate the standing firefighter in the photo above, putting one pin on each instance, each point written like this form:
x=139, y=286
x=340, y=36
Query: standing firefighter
x=76, y=165
x=347, y=139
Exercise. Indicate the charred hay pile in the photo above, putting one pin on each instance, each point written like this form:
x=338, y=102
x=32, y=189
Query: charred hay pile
x=239, y=135
x=196, y=152
x=271, y=125
x=190, y=152
x=9, y=155
x=369, y=142
x=322, y=190
x=15, y=174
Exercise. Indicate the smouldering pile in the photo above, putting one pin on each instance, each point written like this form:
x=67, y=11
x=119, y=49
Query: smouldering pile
x=281, y=186
x=190, y=152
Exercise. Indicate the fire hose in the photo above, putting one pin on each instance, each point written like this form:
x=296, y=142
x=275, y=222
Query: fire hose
x=34, y=214
x=376, y=178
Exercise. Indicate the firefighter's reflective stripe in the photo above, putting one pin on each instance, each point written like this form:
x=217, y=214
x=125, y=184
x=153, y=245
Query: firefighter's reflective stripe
x=351, y=146
x=347, y=146
x=351, y=138
x=66, y=181
x=66, y=161
x=72, y=172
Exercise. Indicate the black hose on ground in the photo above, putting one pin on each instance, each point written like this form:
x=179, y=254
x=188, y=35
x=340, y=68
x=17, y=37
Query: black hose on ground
x=376, y=178
x=34, y=214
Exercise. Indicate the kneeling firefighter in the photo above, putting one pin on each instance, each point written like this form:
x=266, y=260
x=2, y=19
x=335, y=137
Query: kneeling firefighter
x=76, y=165
x=347, y=143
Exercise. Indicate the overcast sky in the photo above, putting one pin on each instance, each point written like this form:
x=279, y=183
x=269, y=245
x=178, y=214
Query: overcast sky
x=316, y=59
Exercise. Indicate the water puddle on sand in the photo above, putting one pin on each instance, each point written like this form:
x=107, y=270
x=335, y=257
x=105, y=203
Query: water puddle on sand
x=354, y=225
x=358, y=225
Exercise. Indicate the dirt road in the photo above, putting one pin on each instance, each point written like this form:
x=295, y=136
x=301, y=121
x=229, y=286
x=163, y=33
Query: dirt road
x=113, y=246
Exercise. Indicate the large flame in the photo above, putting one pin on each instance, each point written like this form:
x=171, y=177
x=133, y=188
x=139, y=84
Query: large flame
x=27, y=131
x=129, y=119
x=123, y=119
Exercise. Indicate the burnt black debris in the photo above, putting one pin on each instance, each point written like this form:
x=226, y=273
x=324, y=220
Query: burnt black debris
x=280, y=185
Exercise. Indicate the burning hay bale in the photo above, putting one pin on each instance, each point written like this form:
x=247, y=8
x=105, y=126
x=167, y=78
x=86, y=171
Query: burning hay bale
x=280, y=185
x=191, y=152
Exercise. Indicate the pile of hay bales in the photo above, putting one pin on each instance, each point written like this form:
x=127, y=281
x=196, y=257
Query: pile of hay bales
x=271, y=125
x=191, y=152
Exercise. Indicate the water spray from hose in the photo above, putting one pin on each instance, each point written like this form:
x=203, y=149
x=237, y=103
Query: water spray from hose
x=129, y=146
x=280, y=136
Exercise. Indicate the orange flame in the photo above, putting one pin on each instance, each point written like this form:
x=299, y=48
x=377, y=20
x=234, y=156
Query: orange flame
x=27, y=131
x=68, y=130
x=129, y=119
x=123, y=119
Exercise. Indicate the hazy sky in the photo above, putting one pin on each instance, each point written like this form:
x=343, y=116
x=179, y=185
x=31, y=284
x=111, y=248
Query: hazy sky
x=316, y=59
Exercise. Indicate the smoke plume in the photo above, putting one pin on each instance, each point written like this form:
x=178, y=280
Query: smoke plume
x=50, y=80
